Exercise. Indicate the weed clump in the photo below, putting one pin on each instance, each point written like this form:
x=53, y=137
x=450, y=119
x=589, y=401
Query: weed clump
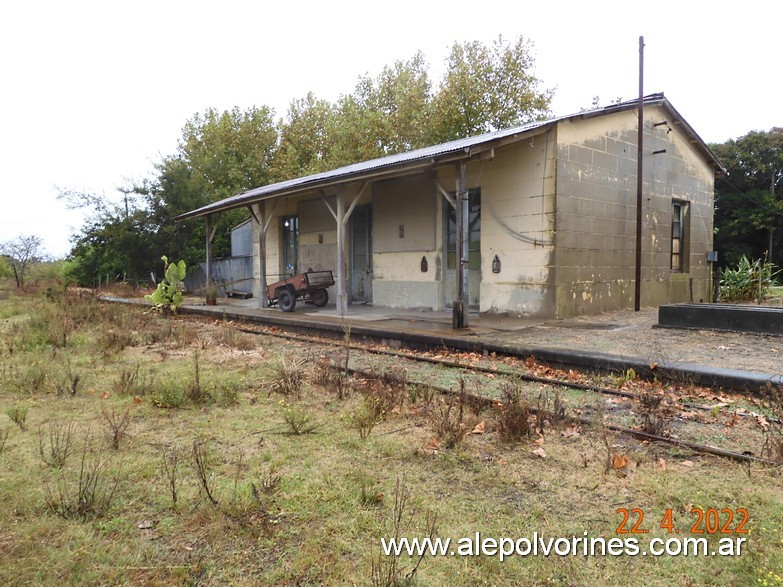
x=654, y=414
x=18, y=415
x=84, y=493
x=297, y=419
x=287, y=376
x=771, y=422
x=367, y=413
x=513, y=414
x=55, y=448
x=449, y=419
x=132, y=381
x=117, y=424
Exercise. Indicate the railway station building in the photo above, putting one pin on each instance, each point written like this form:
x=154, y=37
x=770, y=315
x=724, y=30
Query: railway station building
x=545, y=215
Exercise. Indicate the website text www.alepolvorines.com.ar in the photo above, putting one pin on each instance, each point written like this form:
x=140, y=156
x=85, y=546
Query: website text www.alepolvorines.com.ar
x=539, y=545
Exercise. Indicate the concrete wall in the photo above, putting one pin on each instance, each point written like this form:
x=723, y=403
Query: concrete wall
x=557, y=209
x=517, y=220
x=317, y=234
x=596, y=214
x=405, y=228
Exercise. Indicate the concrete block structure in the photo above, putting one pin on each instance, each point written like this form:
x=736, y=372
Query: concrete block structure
x=548, y=211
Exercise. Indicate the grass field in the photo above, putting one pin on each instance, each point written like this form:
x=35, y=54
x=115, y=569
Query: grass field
x=143, y=449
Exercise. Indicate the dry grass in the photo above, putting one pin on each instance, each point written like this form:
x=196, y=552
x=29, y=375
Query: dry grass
x=290, y=509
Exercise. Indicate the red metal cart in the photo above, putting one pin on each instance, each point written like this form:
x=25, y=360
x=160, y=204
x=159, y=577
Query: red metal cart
x=308, y=287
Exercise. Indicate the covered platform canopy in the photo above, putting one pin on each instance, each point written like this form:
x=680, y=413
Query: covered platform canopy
x=352, y=181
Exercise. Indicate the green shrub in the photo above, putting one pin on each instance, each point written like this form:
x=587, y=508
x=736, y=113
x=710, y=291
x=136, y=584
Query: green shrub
x=748, y=281
x=170, y=394
x=297, y=419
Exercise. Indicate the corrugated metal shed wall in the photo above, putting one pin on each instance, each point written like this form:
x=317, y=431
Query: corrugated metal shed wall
x=242, y=240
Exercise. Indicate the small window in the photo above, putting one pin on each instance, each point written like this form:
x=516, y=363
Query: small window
x=679, y=243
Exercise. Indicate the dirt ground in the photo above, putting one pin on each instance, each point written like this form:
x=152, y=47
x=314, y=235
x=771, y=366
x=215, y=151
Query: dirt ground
x=632, y=333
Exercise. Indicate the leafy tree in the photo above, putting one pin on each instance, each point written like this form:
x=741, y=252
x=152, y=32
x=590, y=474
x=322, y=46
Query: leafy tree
x=22, y=252
x=485, y=88
x=229, y=152
x=748, y=203
x=221, y=154
x=396, y=106
x=488, y=88
x=117, y=241
x=305, y=138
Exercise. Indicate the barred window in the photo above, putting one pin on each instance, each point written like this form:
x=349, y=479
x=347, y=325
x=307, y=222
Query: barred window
x=678, y=235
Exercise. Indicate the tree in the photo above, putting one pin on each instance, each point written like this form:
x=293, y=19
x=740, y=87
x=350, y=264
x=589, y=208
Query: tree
x=22, y=252
x=305, y=136
x=229, y=152
x=487, y=89
x=5, y=268
x=117, y=240
x=221, y=154
x=396, y=105
x=748, y=205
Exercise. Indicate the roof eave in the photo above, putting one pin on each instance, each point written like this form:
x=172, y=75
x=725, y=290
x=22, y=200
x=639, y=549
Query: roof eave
x=317, y=181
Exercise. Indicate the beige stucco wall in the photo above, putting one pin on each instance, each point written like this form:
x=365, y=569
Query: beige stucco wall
x=517, y=219
x=405, y=229
x=558, y=210
x=596, y=214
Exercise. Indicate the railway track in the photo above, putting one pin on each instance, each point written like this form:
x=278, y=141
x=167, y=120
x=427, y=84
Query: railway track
x=520, y=370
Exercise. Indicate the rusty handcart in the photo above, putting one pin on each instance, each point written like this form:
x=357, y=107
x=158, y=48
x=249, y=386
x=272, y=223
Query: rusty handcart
x=309, y=287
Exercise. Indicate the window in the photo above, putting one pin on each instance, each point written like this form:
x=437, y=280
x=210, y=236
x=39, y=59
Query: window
x=679, y=243
x=290, y=245
x=474, y=232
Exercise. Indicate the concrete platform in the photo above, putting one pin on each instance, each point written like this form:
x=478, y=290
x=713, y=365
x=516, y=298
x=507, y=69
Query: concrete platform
x=730, y=317
x=500, y=334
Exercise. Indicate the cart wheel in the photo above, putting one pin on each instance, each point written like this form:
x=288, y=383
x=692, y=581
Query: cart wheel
x=286, y=301
x=319, y=297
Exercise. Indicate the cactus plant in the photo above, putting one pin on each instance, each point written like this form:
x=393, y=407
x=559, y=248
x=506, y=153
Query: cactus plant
x=168, y=295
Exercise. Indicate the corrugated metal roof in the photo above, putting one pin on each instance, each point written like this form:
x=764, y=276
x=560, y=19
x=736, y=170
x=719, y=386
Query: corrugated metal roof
x=356, y=171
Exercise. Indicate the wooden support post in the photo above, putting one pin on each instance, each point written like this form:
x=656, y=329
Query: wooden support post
x=263, y=223
x=341, y=217
x=211, y=230
x=459, y=318
x=209, y=250
x=342, y=294
x=262, y=218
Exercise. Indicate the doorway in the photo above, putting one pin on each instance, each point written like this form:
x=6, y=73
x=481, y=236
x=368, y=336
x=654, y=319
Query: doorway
x=290, y=246
x=361, y=255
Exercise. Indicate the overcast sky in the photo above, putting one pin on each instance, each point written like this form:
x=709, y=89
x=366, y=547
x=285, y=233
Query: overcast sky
x=93, y=93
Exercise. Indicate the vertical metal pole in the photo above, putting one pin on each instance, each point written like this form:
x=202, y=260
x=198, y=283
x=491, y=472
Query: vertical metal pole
x=771, y=228
x=465, y=253
x=342, y=296
x=639, y=175
x=459, y=317
x=209, y=250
